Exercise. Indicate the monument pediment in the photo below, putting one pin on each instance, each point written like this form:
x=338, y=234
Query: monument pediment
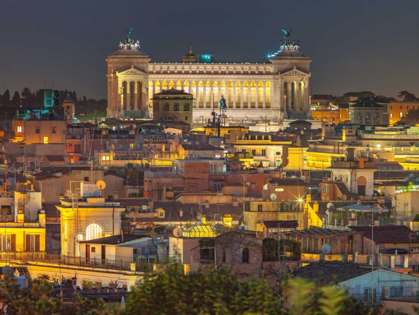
x=295, y=73
x=131, y=71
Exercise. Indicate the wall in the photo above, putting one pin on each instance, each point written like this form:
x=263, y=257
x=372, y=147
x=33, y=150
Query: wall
x=45, y=130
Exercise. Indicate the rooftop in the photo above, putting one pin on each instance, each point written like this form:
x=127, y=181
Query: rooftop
x=114, y=240
x=330, y=271
x=388, y=233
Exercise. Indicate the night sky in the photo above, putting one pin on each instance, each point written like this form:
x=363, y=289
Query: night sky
x=355, y=45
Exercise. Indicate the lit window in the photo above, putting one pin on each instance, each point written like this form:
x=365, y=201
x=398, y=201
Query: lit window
x=391, y=115
x=19, y=128
x=54, y=129
x=46, y=140
x=105, y=157
x=401, y=115
x=131, y=145
x=279, y=189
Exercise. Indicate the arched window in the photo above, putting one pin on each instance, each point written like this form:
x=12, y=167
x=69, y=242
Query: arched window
x=186, y=107
x=245, y=255
x=93, y=231
x=166, y=107
x=176, y=107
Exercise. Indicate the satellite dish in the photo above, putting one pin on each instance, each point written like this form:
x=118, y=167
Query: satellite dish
x=178, y=232
x=325, y=249
x=7, y=271
x=100, y=184
x=273, y=197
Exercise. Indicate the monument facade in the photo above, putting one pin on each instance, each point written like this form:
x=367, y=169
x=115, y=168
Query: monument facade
x=274, y=90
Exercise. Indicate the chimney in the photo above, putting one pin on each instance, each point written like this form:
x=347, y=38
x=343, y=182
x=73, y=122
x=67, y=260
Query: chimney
x=181, y=213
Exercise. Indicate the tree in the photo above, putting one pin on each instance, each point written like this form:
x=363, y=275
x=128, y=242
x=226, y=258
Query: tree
x=16, y=99
x=218, y=291
x=407, y=96
x=37, y=299
x=6, y=98
x=215, y=291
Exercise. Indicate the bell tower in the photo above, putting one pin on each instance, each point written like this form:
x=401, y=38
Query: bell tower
x=128, y=80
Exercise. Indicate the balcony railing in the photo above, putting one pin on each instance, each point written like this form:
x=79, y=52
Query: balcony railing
x=109, y=264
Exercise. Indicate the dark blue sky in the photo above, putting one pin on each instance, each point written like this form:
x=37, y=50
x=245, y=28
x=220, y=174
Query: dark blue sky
x=355, y=44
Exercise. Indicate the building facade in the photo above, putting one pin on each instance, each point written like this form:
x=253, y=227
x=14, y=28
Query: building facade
x=173, y=105
x=273, y=90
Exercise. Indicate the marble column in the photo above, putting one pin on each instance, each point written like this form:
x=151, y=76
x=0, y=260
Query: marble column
x=307, y=104
x=264, y=94
x=182, y=85
x=226, y=93
x=212, y=94
x=249, y=96
x=189, y=86
x=289, y=102
x=241, y=94
x=197, y=95
x=120, y=96
x=257, y=95
x=136, y=105
x=234, y=94
x=219, y=93
x=204, y=95
x=296, y=96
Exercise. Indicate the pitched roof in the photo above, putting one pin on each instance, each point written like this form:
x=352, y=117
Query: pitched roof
x=329, y=271
x=387, y=233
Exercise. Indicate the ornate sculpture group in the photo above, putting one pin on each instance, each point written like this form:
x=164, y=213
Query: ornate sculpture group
x=287, y=44
x=129, y=43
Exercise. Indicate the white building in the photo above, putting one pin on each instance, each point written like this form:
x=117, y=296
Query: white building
x=276, y=89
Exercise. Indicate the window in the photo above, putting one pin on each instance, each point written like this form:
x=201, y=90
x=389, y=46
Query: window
x=191, y=185
x=401, y=115
x=33, y=242
x=263, y=152
x=93, y=231
x=161, y=214
x=279, y=189
x=253, y=152
x=166, y=107
x=37, y=129
x=259, y=208
x=86, y=179
x=93, y=249
x=131, y=145
x=46, y=140
x=77, y=148
x=186, y=107
x=19, y=128
x=176, y=107
x=54, y=129
x=105, y=157
x=186, y=118
x=391, y=115
x=245, y=255
x=8, y=243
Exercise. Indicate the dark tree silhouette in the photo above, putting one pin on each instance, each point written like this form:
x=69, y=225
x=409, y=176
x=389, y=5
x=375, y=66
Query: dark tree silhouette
x=16, y=99
x=407, y=96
